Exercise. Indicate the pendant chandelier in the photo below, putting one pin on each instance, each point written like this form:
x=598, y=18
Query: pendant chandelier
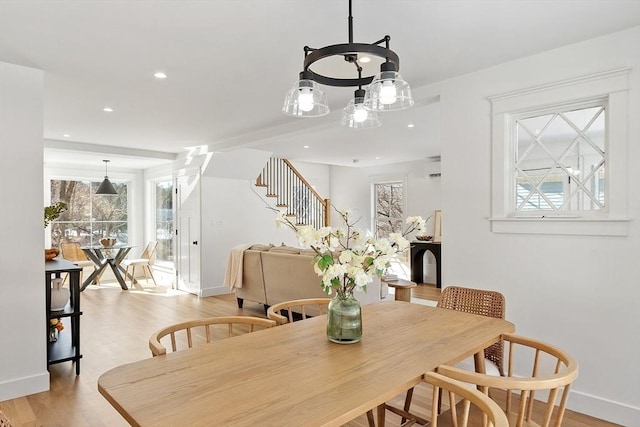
x=106, y=187
x=385, y=91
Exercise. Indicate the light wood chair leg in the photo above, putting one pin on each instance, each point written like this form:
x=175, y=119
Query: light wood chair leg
x=151, y=274
x=133, y=275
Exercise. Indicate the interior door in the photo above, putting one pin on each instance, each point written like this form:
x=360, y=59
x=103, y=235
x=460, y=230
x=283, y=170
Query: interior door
x=188, y=233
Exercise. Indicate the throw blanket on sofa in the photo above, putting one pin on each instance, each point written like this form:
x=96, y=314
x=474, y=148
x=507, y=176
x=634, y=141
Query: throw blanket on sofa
x=233, y=275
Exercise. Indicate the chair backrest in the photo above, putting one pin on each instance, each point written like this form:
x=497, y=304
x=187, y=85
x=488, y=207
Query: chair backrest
x=549, y=369
x=481, y=302
x=71, y=251
x=300, y=309
x=205, y=331
x=4, y=421
x=464, y=400
x=150, y=252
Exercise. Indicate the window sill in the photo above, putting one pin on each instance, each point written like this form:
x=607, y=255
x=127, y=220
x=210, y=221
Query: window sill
x=561, y=226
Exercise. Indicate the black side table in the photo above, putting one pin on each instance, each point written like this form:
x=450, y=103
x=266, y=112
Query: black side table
x=417, y=260
x=67, y=347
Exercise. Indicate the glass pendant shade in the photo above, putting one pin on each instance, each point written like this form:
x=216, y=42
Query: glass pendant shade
x=305, y=99
x=355, y=116
x=388, y=91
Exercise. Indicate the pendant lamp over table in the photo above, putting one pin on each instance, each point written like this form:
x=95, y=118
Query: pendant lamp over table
x=106, y=187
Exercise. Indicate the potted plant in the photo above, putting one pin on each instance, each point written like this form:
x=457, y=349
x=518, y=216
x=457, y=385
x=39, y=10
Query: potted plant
x=52, y=213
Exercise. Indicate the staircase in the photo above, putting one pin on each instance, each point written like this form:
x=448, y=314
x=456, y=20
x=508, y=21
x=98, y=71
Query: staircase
x=292, y=193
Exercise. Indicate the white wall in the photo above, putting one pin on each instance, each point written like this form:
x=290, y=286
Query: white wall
x=581, y=293
x=423, y=194
x=23, y=362
x=233, y=213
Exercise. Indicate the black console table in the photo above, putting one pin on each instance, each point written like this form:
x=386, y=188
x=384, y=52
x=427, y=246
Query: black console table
x=67, y=347
x=417, y=260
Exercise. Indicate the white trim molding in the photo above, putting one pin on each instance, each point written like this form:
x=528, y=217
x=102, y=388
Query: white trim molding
x=612, y=86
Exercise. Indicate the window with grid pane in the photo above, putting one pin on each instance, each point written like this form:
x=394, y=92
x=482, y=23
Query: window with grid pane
x=389, y=208
x=560, y=160
x=89, y=216
x=164, y=220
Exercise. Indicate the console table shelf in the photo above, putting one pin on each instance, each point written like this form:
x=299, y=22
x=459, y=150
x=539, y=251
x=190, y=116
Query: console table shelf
x=67, y=347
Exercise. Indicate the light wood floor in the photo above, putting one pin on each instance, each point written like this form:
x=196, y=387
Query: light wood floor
x=115, y=329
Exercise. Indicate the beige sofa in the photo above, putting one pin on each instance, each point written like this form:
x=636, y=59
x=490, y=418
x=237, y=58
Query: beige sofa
x=271, y=275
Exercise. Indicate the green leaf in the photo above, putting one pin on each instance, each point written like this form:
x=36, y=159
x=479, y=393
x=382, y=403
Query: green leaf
x=325, y=261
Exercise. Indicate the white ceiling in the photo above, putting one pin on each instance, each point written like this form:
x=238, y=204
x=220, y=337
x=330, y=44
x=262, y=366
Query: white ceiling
x=230, y=63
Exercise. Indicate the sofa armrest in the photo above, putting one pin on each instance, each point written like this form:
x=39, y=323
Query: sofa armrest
x=252, y=281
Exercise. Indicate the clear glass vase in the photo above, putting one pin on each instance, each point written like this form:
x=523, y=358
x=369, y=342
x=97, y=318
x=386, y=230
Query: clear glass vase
x=344, y=320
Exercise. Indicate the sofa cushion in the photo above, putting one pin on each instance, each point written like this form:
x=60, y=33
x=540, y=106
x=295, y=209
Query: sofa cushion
x=289, y=276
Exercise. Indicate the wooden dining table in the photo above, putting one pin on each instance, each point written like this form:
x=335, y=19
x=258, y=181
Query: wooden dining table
x=291, y=375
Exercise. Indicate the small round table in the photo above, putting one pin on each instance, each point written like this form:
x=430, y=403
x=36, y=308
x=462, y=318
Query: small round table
x=402, y=288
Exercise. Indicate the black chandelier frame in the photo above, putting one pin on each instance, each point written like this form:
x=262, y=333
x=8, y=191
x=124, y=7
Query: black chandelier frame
x=349, y=51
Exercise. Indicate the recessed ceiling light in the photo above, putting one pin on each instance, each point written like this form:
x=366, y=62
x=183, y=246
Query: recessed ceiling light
x=378, y=157
x=364, y=59
x=107, y=110
x=160, y=75
x=411, y=125
x=306, y=146
x=66, y=135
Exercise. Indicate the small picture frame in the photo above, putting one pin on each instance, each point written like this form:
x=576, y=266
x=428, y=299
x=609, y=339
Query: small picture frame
x=437, y=226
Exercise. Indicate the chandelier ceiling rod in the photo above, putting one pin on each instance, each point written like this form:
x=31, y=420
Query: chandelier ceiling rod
x=386, y=90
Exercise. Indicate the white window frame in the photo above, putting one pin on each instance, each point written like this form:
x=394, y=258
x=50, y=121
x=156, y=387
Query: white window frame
x=152, y=177
x=610, y=86
x=374, y=200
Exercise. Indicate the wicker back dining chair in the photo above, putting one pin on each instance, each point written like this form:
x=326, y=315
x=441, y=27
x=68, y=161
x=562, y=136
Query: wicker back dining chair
x=72, y=251
x=481, y=302
x=145, y=261
x=465, y=406
x=474, y=301
x=4, y=421
x=205, y=331
x=300, y=309
x=532, y=366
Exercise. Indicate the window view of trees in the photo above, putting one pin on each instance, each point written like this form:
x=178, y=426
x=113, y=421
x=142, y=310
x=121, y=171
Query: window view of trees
x=389, y=203
x=89, y=217
x=164, y=220
x=561, y=160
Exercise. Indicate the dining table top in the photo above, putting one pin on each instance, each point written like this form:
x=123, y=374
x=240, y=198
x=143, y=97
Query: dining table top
x=292, y=375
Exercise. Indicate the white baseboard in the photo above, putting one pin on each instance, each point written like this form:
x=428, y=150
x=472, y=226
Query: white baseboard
x=605, y=409
x=18, y=387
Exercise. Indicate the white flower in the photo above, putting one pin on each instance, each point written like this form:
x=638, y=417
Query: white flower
x=380, y=263
x=361, y=254
x=345, y=257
